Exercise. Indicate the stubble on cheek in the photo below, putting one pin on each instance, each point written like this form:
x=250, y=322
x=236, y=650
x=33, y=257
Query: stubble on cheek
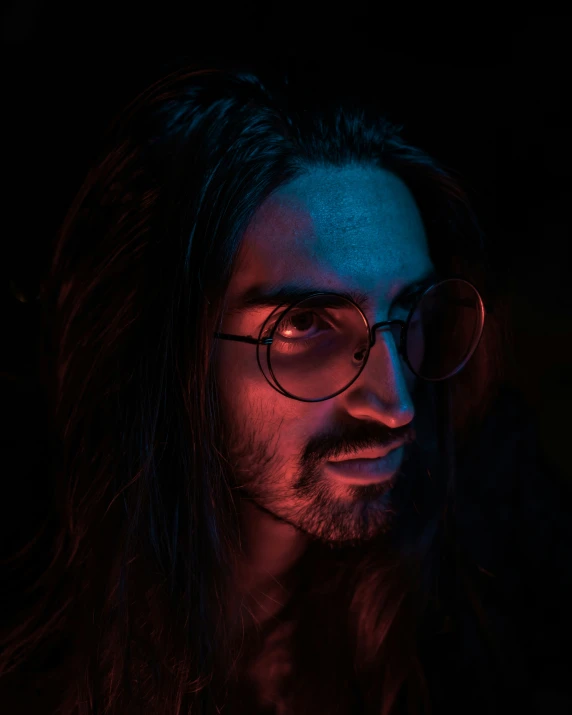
x=254, y=450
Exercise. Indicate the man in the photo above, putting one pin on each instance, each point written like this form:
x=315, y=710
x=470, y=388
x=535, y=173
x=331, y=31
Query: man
x=265, y=330
x=350, y=228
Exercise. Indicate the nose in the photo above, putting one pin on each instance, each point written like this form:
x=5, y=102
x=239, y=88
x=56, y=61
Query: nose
x=381, y=391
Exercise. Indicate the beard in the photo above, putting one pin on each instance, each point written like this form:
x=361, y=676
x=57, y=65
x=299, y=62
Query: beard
x=310, y=502
x=304, y=498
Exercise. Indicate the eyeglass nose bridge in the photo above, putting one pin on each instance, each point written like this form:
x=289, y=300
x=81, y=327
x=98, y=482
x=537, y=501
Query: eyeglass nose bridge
x=386, y=325
x=389, y=325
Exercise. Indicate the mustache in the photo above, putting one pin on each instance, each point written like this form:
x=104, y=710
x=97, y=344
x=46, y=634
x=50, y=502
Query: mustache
x=364, y=436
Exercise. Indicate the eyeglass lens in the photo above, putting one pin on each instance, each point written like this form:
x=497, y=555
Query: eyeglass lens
x=319, y=345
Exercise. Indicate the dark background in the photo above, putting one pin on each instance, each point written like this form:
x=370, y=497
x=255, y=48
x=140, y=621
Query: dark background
x=486, y=95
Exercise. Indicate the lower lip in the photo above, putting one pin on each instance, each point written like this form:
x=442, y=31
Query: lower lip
x=367, y=471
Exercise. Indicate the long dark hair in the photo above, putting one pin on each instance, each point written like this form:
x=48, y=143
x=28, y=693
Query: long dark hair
x=146, y=536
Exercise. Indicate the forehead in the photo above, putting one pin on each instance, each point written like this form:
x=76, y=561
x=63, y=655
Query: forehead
x=352, y=227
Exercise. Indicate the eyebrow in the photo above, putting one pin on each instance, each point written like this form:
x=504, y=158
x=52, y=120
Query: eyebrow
x=274, y=296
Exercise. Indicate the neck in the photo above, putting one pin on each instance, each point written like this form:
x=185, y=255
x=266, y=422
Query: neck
x=270, y=548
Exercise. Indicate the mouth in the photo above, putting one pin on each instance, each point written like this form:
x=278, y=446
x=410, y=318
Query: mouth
x=380, y=467
x=368, y=454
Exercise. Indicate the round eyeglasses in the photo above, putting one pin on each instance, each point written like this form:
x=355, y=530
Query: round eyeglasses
x=318, y=346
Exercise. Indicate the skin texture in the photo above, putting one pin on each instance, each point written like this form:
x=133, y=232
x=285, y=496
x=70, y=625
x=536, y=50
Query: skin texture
x=350, y=228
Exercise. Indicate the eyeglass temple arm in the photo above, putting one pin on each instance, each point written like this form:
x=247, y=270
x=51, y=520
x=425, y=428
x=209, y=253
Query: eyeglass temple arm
x=244, y=339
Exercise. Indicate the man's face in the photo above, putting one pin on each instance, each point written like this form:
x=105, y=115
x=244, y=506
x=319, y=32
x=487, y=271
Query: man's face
x=355, y=228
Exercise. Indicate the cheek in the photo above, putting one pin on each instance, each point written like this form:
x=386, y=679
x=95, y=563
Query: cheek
x=250, y=403
x=236, y=371
x=247, y=398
